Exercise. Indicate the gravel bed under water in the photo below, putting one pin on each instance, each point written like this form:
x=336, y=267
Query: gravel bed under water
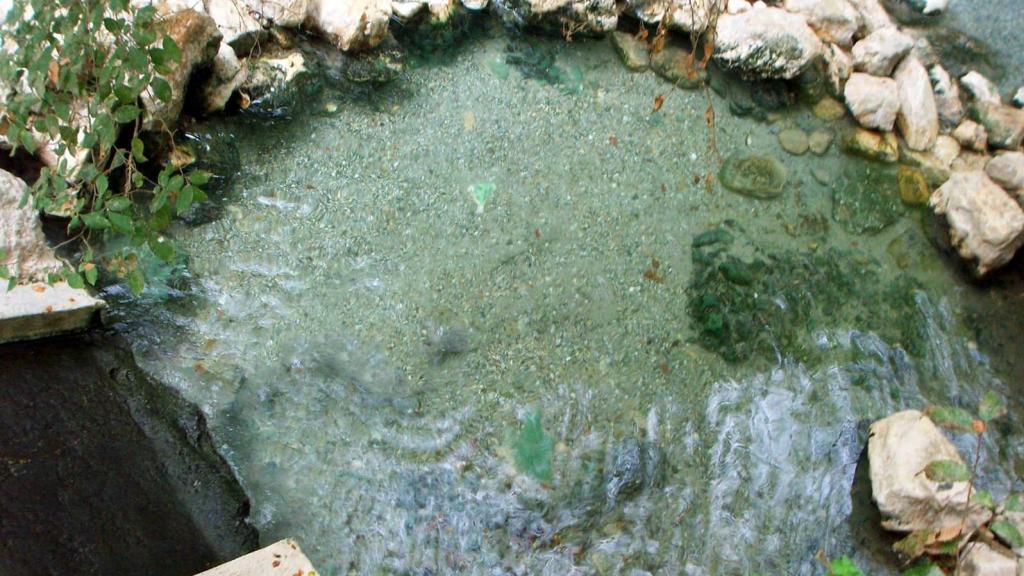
x=564, y=382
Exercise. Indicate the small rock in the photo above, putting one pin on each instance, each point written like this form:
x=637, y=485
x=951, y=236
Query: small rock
x=946, y=149
x=406, y=11
x=227, y=74
x=900, y=446
x=633, y=51
x=980, y=88
x=980, y=559
x=829, y=109
x=918, y=118
x=873, y=14
x=766, y=43
x=737, y=6
x=971, y=135
x=929, y=7
x=240, y=28
x=475, y=5
x=1005, y=124
x=352, y=24
x=935, y=171
x=446, y=339
x=880, y=51
x=968, y=161
x=684, y=15
x=1007, y=170
x=820, y=140
x=675, y=64
x=794, y=141
x=838, y=66
x=881, y=146
x=913, y=186
x=821, y=175
x=835, y=21
x=752, y=175
x=29, y=257
x=1018, y=98
x=986, y=224
x=947, y=97
x=581, y=16
x=873, y=100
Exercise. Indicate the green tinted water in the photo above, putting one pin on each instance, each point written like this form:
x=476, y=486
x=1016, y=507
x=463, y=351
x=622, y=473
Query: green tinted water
x=554, y=377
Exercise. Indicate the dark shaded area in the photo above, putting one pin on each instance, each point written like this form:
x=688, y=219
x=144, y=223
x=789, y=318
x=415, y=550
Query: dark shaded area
x=103, y=471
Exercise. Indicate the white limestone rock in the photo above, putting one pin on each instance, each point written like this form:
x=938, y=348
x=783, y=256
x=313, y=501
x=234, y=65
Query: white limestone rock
x=873, y=100
x=1007, y=170
x=986, y=225
x=283, y=13
x=947, y=97
x=29, y=257
x=946, y=149
x=879, y=52
x=835, y=21
x=766, y=43
x=1018, y=97
x=918, y=119
x=838, y=66
x=900, y=446
x=873, y=14
x=982, y=560
x=580, y=16
x=351, y=25
x=684, y=15
x=980, y=88
x=236, y=23
x=971, y=135
x=226, y=75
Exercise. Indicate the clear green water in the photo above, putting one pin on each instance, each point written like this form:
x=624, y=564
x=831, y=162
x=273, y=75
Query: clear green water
x=372, y=352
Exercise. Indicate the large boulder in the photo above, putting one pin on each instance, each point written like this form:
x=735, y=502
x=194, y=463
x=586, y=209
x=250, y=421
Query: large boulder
x=350, y=25
x=273, y=81
x=835, y=21
x=900, y=446
x=197, y=36
x=986, y=225
x=283, y=13
x=1005, y=124
x=684, y=15
x=29, y=258
x=766, y=43
x=1007, y=170
x=918, y=118
x=873, y=100
x=879, y=52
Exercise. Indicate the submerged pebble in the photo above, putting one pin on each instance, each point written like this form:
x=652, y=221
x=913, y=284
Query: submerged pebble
x=794, y=141
x=753, y=175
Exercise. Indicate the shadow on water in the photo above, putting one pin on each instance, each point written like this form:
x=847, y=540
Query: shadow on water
x=103, y=471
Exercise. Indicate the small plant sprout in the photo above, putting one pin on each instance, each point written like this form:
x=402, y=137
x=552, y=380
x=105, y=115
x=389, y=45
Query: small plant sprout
x=480, y=193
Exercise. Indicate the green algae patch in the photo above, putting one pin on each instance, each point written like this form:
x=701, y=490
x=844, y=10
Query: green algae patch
x=536, y=60
x=866, y=198
x=753, y=175
x=749, y=302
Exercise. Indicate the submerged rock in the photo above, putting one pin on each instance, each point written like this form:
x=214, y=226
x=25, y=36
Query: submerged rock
x=918, y=118
x=829, y=109
x=879, y=52
x=900, y=446
x=446, y=339
x=675, y=63
x=820, y=140
x=766, y=43
x=914, y=190
x=753, y=175
x=1007, y=170
x=986, y=225
x=873, y=100
x=794, y=141
x=866, y=198
x=632, y=50
x=881, y=146
x=935, y=170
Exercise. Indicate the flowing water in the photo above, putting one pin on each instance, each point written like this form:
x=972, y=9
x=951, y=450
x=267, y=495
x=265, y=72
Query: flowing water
x=607, y=366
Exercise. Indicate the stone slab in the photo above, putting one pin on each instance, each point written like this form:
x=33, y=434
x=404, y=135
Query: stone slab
x=37, y=310
x=282, y=558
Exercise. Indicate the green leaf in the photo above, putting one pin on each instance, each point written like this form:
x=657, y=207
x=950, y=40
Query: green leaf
x=121, y=222
x=199, y=178
x=75, y=280
x=118, y=204
x=171, y=49
x=90, y=275
x=947, y=471
x=136, y=282
x=163, y=249
x=137, y=150
x=124, y=94
x=161, y=89
x=1014, y=503
x=984, y=498
x=95, y=221
x=843, y=566
x=533, y=449
x=992, y=406
x=102, y=184
x=184, y=200
x=126, y=113
x=4, y=273
x=952, y=418
x=1008, y=533
x=159, y=199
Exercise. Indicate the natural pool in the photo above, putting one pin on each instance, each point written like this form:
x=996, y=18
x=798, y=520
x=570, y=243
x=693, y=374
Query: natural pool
x=612, y=367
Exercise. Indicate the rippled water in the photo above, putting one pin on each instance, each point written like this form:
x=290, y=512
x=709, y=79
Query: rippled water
x=374, y=353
